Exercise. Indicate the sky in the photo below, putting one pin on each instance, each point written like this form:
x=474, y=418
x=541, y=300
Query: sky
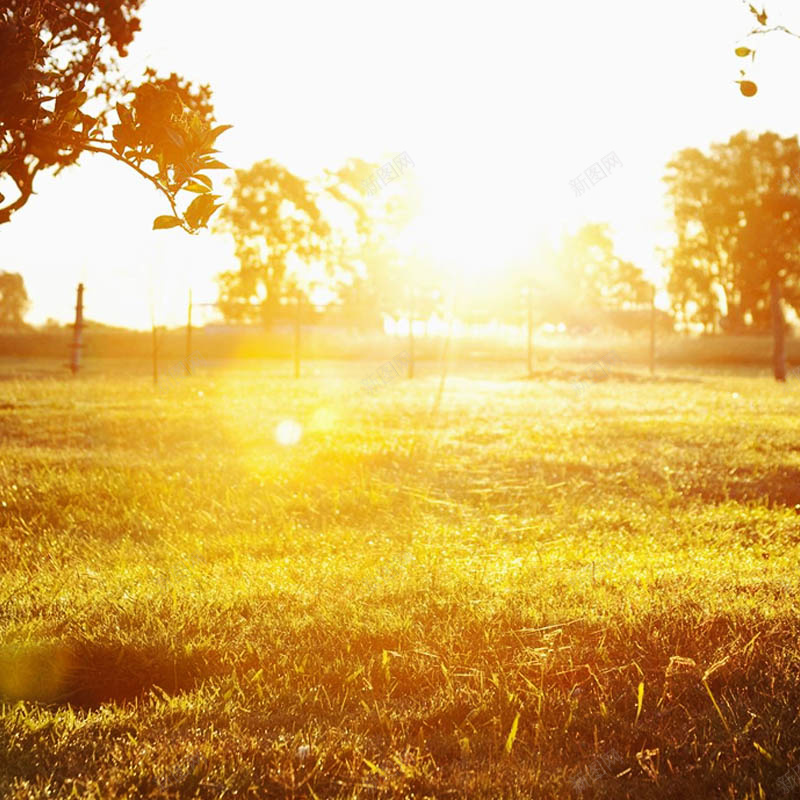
x=500, y=105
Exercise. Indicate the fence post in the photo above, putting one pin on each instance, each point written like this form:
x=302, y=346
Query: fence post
x=189, y=337
x=653, y=331
x=297, y=333
x=411, y=311
x=778, y=330
x=77, y=333
x=155, y=356
x=530, y=331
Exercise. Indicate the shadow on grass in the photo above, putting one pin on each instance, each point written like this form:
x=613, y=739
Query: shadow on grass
x=594, y=374
x=85, y=674
x=775, y=487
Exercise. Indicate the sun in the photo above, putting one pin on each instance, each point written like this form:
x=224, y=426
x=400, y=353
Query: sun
x=477, y=231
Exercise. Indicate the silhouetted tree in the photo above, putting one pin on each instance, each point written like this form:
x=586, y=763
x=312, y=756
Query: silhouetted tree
x=359, y=254
x=279, y=232
x=14, y=302
x=589, y=279
x=290, y=234
x=59, y=57
x=385, y=273
x=737, y=217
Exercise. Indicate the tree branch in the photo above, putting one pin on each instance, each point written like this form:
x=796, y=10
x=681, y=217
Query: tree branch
x=25, y=187
x=93, y=149
x=781, y=28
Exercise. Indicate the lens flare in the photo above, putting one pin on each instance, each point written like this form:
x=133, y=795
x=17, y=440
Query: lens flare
x=323, y=419
x=288, y=432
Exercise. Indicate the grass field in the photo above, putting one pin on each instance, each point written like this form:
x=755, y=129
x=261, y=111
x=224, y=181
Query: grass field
x=535, y=592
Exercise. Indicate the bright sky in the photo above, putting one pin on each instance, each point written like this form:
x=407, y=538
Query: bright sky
x=499, y=104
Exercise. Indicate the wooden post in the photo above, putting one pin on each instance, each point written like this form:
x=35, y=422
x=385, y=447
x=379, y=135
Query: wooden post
x=297, y=333
x=189, y=337
x=778, y=330
x=445, y=358
x=155, y=355
x=77, y=333
x=530, y=331
x=411, y=310
x=653, y=331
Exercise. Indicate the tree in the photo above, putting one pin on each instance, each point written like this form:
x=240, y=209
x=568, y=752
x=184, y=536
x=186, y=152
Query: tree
x=590, y=279
x=358, y=247
x=385, y=272
x=737, y=218
x=278, y=231
x=399, y=269
x=59, y=59
x=14, y=302
x=291, y=234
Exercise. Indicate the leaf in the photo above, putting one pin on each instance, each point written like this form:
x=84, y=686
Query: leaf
x=639, y=702
x=212, y=163
x=204, y=179
x=201, y=209
x=512, y=734
x=212, y=135
x=88, y=123
x=761, y=16
x=197, y=188
x=124, y=135
x=175, y=138
x=70, y=100
x=743, y=51
x=125, y=116
x=63, y=99
x=747, y=88
x=162, y=165
x=196, y=207
x=164, y=222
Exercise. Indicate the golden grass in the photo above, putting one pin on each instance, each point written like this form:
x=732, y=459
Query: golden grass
x=534, y=593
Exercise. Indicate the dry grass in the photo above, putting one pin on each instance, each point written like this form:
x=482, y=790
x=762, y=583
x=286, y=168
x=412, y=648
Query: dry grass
x=535, y=593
